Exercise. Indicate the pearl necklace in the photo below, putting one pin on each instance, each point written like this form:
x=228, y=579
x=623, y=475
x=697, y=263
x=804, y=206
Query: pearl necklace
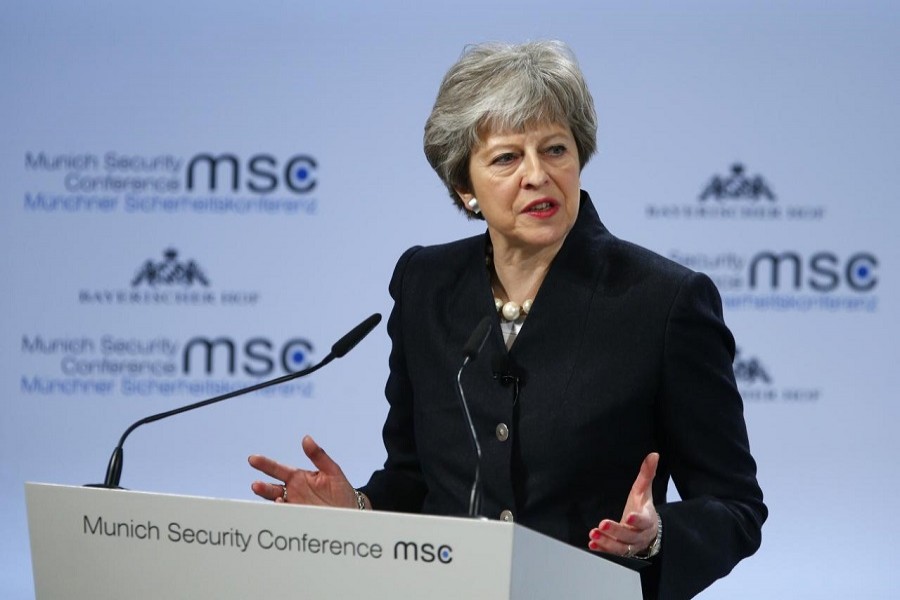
x=511, y=311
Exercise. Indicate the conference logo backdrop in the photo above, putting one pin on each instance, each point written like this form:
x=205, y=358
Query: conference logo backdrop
x=735, y=195
x=774, y=277
x=787, y=279
x=202, y=364
x=206, y=183
x=760, y=382
x=169, y=281
x=199, y=364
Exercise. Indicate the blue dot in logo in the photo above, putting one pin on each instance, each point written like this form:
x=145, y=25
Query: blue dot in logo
x=445, y=554
x=301, y=173
x=297, y=357
x=862, y=272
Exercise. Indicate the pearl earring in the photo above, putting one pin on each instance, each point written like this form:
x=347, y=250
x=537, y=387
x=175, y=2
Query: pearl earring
x=473, y=204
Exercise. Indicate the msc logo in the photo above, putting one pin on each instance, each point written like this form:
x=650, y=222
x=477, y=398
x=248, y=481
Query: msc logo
x=256, y=357
x=749, y=370
x=737, y=186
x=423, y=552
x=170, y=271
x=822, y=271
x=260, y=174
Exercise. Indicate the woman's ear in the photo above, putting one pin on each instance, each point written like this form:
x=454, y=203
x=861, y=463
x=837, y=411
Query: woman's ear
x=468, y=201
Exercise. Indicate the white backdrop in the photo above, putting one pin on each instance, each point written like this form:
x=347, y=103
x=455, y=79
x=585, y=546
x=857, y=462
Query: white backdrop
x=104, y=106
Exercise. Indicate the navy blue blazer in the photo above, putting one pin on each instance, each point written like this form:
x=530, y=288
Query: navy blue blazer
x=623, y=353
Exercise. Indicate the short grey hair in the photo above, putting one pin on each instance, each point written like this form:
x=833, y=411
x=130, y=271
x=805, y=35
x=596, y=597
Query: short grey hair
x=506, y=87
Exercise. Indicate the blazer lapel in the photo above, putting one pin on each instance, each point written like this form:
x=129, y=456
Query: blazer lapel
x=549, y=343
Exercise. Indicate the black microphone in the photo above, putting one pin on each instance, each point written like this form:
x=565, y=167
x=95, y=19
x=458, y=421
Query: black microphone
x=476, y=340
x=470, y=351
x=353, y=337
x=506, y=372
x=339, y=349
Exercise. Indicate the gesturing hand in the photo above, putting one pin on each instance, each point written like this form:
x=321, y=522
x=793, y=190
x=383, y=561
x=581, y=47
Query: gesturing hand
x=637, y=529
x=326, y=487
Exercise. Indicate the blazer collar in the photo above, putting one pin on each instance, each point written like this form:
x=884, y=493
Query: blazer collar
x=561, y=307
x=554, y=329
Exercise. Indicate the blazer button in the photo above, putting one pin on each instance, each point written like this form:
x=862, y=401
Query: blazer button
x=502, y=432
x=507, y=516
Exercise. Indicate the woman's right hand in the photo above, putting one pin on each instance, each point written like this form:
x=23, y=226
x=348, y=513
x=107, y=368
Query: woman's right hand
x=325, y=487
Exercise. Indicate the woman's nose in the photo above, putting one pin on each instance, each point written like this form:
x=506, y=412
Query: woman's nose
x=534, y=174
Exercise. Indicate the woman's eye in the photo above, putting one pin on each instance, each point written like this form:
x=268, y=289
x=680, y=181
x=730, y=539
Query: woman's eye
x=557, y=150
x=504, y=159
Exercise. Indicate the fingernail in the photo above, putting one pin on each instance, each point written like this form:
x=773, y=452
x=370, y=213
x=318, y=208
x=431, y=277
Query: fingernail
x=604, y=527
x=594, y=546
x=595, y=534
x=631, y=519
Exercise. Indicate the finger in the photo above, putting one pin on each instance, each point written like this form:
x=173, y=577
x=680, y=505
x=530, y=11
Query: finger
x=611, y=547
x=613, y=537
x=639, y=521
x=643, y=484
x=618, y=532
x=270, y=467
x=639, y=534
x=269, y=491
x=320, y=458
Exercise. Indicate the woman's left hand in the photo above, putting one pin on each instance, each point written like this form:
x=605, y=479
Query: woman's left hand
x=637, y=529
x=325, y=487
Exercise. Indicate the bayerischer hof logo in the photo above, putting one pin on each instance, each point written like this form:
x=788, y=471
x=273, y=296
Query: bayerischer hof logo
x=170, y=271
x=737, y=186
x=757, y=384
x=750, y=371
x=169, y=281
x=736, y=194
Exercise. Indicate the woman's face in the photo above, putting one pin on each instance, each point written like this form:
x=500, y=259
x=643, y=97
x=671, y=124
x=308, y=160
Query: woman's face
x=527, y=185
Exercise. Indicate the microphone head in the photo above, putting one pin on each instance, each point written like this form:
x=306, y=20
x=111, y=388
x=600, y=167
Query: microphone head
x=505, y=370
x=477, y=339
x=355, y=336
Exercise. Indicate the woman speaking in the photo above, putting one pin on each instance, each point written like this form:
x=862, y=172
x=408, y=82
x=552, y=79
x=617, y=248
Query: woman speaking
x=607, y=371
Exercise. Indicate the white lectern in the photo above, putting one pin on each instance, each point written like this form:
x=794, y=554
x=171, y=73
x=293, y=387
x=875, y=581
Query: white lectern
x=98, y=543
